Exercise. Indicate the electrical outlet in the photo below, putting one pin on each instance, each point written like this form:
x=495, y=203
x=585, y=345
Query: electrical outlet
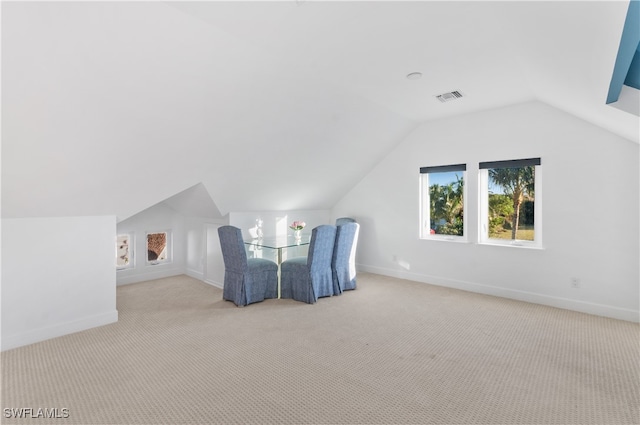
x=575, y=282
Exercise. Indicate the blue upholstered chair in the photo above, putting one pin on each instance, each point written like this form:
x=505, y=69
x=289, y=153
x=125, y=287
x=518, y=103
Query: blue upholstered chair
x=246, y=280
x=308, y=278
x=344, y=220
x=343, y=263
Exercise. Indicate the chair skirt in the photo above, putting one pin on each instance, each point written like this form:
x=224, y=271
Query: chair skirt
x=300, y=284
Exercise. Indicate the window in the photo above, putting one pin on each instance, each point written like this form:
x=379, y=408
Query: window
x=510, y=202
x=158, y=247
x=124, y=251
x=442, y=193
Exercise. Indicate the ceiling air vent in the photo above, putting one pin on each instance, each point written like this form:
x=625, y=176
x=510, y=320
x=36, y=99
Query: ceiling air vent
x=446, y=97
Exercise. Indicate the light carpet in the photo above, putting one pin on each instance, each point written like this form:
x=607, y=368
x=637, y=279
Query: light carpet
x=391, y=352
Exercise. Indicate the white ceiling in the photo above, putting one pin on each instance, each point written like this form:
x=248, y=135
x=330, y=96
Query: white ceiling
x=109, y=108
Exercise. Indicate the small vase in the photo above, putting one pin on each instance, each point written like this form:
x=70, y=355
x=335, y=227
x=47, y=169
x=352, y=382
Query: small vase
x=297, y=234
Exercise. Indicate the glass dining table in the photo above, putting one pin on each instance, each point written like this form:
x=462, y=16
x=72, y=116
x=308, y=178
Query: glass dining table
x=278, y=243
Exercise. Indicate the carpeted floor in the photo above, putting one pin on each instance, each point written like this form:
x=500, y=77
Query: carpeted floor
x=390, y=352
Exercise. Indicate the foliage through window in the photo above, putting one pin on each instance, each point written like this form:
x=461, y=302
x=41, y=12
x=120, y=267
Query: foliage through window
x=443, y=201
x=509, y=211
x=157, y=247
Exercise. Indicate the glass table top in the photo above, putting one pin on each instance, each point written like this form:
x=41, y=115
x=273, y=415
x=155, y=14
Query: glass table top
x=277, y=242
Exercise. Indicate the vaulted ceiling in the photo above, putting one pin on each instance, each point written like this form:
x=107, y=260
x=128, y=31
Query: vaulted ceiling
x=111, y=107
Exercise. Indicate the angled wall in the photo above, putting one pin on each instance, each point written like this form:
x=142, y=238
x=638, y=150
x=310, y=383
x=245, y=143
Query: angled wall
x=58, y=277
x=590, y=194
x=159, y=218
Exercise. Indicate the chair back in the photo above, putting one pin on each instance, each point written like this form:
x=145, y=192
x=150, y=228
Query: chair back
x=344, y=220
x=321, y=247
x=354, y=245
x=344, y=251
x=233, y=251
x=343, y=263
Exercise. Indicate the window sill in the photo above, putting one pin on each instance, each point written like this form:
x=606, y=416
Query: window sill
x=446, y=239
x=157, y=263
x=517, y=245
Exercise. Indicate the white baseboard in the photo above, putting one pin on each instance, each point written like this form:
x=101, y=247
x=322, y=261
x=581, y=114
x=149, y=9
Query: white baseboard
x=214, y=283
x=195, y=274
x=200, y=276
x=151, y=275
x=532, y=297
x=43, y=334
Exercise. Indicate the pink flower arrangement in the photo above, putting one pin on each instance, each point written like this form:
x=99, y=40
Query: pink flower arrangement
x=297, y=225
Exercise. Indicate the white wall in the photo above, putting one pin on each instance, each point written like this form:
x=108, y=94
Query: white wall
x=590, y=193
x=203, y=259
x=158, y=218
x=58, y=277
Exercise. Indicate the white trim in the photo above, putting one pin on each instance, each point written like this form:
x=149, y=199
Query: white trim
x=200, y=276
x=214, y=283
x=537, y=207
x=483, y=214
x=160, y=273
x=425, y=205
x=508, y=243
x=168, y=248
x=483, y=203
x=207, y=272
x=446, y=238
x=531, y=297
x=195, y=274
x=43, y=334
x=132, y=250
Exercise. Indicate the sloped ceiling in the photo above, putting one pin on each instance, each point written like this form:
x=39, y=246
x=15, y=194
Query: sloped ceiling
x=109, y=108
x=194, y=202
